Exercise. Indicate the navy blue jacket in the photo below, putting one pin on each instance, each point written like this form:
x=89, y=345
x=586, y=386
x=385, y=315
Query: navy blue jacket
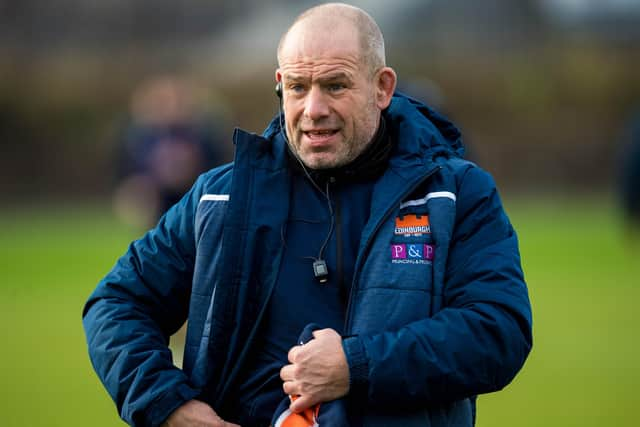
x=427, y=330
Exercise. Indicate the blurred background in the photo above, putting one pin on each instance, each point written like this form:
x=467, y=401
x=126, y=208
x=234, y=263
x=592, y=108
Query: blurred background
x=109, y=109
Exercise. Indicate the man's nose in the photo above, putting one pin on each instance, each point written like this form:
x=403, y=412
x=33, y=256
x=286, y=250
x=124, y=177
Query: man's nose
x=316, y=105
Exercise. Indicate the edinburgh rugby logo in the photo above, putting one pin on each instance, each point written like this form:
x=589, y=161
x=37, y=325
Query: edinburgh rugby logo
x=412, y=225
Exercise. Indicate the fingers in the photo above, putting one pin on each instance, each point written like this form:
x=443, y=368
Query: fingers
x=288, y=377
x=293, y=353
x=318, y=370
x=196, y=413
x=322, y=332
x=302, y=403
x=222, y=423
x=288, y=373
x=289, y=388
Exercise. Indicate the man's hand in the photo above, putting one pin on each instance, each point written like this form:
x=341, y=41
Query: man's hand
x=318, y=372
x=196, y=414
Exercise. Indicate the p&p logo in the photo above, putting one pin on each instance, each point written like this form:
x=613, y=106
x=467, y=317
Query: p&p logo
x=418, y=253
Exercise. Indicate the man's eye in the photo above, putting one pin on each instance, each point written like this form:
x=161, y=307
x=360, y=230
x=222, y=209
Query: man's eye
x=335, y=87
x=296, y=88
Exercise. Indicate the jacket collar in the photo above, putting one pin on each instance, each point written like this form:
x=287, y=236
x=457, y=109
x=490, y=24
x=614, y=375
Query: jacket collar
x=420, y=135
x=423, y=135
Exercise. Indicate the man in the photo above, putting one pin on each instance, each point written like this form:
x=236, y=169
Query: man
x=359, y=216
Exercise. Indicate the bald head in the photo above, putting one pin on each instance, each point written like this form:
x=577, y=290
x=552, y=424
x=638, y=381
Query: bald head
x=334, y=84
x=331, y=18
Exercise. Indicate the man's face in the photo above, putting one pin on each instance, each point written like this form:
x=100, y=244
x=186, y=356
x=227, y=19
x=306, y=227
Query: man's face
x=329, y=97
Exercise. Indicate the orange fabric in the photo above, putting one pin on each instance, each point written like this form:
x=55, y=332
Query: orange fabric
x=412, y=221
x=306, y=418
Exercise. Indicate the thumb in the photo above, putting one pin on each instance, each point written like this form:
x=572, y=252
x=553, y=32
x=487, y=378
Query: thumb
x=301, y=403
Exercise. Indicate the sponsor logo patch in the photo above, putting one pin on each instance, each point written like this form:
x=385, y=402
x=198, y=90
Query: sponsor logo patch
x=418, y=253
x=412, y=225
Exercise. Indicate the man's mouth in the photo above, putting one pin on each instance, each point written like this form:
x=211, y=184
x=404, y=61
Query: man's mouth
x=320, y=134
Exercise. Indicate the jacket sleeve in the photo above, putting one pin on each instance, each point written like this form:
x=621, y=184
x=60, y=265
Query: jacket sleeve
x=132, y=313
x=478, y=341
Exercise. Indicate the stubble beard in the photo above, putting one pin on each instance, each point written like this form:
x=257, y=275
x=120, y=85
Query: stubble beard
x=347, y=151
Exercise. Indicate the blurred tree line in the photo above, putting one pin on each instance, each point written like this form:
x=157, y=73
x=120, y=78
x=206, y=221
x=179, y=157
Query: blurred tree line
x=541, y=99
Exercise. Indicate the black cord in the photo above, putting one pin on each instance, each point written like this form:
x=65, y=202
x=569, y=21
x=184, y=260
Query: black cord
x=331, y=223
x=325, y=194
x=327, y=238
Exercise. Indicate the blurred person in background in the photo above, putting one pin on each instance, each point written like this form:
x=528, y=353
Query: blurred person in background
x=630, y=177
x=349, y=268
x=168, y=142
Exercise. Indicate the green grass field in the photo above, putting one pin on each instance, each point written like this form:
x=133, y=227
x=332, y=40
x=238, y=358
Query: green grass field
x=583, y=280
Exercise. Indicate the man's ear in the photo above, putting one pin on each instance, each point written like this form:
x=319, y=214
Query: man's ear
x=279, y=84
x=385, y=86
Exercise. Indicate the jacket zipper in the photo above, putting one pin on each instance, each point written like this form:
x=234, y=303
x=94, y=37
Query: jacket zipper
x=391, y=207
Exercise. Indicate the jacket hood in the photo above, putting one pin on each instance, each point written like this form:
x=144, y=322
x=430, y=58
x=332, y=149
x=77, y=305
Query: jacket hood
x=420, y=134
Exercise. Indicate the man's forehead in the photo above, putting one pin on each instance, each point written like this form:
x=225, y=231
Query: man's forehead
x=332, y=67
x=320, y=40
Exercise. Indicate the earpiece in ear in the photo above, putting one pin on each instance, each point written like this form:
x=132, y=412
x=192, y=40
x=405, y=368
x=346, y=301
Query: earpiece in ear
x=279, y=90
